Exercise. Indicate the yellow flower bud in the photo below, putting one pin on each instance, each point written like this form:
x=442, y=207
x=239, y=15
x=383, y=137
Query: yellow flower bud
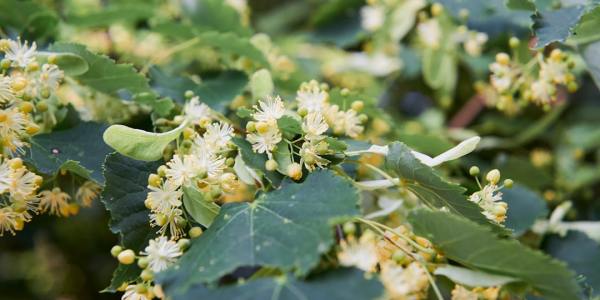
x=32, y=129
x=115, y=250
x=188, y=133
x=294, y=171
x=262, y=127
x=195, y=232
x=556, y=55
x=16, y=163
x=147, y=275
x=154, y=180
x=271, y=165
x=502, y=58
x=41, y=106
x=18, y=84
x=52, y=59
x=19, y=224
x=126, y=257
x=26, y=107
x=358, y=105
x=493, y=176
x=162, y=171
x=436, y=9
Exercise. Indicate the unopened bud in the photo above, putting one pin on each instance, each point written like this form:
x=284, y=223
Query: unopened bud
x=294, y=171
x=493, y=176
x=126, y=257
x=271, y=165
x=195, y=232
x=474, y=171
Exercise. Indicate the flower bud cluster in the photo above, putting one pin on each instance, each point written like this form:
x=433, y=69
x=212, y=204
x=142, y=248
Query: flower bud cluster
x=489, y=197
x=514, y=84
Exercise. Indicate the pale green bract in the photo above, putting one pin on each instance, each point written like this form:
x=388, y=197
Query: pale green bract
x=139, y=144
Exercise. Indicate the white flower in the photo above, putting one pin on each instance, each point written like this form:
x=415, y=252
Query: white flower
x=131, y=293
x=218, y=135
x=168, y=220
x=351, y=124
x=554, y=71
x=542, y=91
x=474, y=43
x=212, y=164
x=430, y=33
x=310, y=156
x=50, y=76
x=314, y=125
x=377, y=64
x=181, y=170
x=502, y=76
x=5, y=177
x=161, y=253
x=12, y=120
x=265, y=142
x=311, y=97
x=269, y=110
x=23, y=183
x=6, y=93
x=490, y=200
x=20, y=54
x=8, y=220
x=165, y=197
x=404, y=283
x=372, y=17
x=196, y=111
x=361, y=254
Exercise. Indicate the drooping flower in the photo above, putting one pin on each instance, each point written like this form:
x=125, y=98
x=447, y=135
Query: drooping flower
x=50, y=77
x=404, y=283
x=311, y=157
x=55, y=202
x=87, y=192
x=161, y=253
x=361, y=254
x=490, y=200
x=23, y=183
x=8, y=220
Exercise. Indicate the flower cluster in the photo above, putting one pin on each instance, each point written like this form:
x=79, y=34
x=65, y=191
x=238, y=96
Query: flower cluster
x=489, y=197
x=160, y=253
x=201, y=163
x=514, y=84
x=25, y=88
x=18, y=195
x=316, y=117
x=398, y=255
x=432, y=30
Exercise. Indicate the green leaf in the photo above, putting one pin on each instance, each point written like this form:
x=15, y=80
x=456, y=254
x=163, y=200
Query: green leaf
x=288, y=228
x=104, y=74
x=473, y=278
x=31, y=19
x=340, y=284
x=261, y=84
x=478, y=248
x=202, y=211
x=124, y=194
x=521, y=4
x=254, y=160
x=556, y=25
x=217, y=92
x=289, y=126
x=232, y=44
x=139, y=144
x=76, y=149
x=580, y=252
x=586, y=30
x=428, y=186
x=440, y=66
x=591, y=56
x=71, y=64
x=524, y=207
x=113, y=13
x=215, y=15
